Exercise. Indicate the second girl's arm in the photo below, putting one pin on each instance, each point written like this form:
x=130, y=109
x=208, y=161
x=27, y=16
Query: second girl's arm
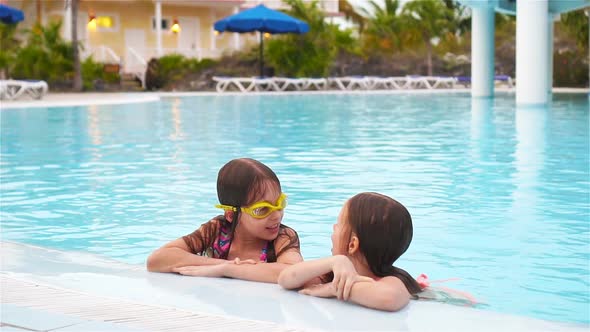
x=388, y=294
x=301, y=274
x=177, y=254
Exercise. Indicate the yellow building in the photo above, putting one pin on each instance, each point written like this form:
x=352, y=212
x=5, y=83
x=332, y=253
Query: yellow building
x=125, y=31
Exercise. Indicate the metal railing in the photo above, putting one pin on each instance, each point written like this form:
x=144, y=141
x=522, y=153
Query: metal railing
x=102, y=53
x=136, y=64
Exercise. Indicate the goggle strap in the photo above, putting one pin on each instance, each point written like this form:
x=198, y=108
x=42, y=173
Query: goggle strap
x=226, y=207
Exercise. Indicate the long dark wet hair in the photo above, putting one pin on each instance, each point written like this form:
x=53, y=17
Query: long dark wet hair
x=242, y=182
x=384, y=229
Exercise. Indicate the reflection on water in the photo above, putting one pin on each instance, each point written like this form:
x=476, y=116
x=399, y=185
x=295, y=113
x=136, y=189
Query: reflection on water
x=499, y=196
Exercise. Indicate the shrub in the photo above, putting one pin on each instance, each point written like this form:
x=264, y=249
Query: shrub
x=93, y=74
x=172, y=68
x=46, y=56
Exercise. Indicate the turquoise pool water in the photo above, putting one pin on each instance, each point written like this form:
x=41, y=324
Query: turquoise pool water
x=500, y=196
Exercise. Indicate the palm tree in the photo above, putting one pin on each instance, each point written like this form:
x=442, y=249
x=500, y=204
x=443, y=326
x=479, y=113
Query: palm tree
x=426, y=20
x=576, y=24
x=350, y=13
x=312, y=53
x=38, y=6
x=76, y=48
x=9, y=45
x=384, y=26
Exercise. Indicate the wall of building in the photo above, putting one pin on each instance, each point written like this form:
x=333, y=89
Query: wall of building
x=137, y=15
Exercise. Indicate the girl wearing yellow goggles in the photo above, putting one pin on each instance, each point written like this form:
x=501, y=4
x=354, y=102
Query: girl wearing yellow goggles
x=247, y=233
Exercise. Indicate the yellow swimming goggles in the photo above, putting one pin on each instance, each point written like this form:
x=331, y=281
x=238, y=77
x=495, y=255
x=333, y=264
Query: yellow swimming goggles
x=259, y=210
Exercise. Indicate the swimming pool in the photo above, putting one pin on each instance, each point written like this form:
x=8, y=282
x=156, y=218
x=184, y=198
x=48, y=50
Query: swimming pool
x=499, y=196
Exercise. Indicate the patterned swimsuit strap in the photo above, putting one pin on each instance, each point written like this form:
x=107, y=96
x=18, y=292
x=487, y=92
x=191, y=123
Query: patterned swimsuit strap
x=223, y=243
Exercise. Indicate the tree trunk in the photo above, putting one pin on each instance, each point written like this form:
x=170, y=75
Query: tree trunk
x=39, y=18
x=76, y=51
x=429, y=57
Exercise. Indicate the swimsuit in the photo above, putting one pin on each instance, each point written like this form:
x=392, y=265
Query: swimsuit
x=222, y=244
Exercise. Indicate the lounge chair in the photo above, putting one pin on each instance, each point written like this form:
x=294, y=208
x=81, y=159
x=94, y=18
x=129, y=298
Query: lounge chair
x=466, y=80
x=416, y=81
x=430, y=82
x=317, y=83
x=245, y=84
x=13, y=89
x=504, y=79
x=350, y=82
x=387, y=83
x=444, y=82
x=284, y=83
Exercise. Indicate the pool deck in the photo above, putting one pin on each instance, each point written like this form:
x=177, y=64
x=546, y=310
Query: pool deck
x=44, y=289
x=92, y=98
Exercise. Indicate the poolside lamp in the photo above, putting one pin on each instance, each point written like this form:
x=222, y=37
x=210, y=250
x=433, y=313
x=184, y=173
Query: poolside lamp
x=91, y=22
x=266, y=35
x=175, y=26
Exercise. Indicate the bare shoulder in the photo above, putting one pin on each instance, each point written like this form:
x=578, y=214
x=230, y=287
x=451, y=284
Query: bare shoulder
x=396, y=285
x=287, y=246
x=287, y=231
x=287, y=238
x=214, y=222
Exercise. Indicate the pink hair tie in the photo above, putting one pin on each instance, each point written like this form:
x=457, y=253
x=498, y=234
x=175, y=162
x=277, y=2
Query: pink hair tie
x=423, y=281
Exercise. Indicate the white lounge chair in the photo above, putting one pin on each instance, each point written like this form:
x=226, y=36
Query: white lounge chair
x=284, y=83
x=245, y=84
x=387, y=83
x=13, y=89
x=430, y=82
x=444, y=82
x=350, y=82
x=416, y=82
x=316, y=83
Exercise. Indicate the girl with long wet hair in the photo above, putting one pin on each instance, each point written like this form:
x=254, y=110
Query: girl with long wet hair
x=372, y=232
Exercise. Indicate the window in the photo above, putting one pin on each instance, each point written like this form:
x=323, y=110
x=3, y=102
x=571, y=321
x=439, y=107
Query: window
x=165, y=24
x=105, y=22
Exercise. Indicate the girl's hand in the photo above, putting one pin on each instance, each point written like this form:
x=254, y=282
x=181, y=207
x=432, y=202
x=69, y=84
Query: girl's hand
x=213, y=271
x=237, y=261
x=322, y=290
x=345, y=276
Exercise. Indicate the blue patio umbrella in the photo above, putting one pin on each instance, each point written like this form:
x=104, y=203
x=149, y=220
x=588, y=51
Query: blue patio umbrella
x=262, y=19
x=10, y=15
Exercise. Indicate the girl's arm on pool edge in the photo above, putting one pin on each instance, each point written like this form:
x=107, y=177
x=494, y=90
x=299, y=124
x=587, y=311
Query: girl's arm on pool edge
x=252, y=271
x=305, y=273
x=266, y=272
x=388, y=294
x=177, y=254
x=263, y=272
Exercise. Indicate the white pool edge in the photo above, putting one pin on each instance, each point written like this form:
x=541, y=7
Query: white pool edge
x=230, y=301
x=118, y=98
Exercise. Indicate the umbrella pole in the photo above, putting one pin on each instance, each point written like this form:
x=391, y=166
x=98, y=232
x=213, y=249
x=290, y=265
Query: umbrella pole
x=261, y=54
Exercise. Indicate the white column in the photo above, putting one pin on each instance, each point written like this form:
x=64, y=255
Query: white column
x=550, y=27
x=531, y=51
x=482, y=51
x=67, y=26
x=236, y=35
x=158, y=28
